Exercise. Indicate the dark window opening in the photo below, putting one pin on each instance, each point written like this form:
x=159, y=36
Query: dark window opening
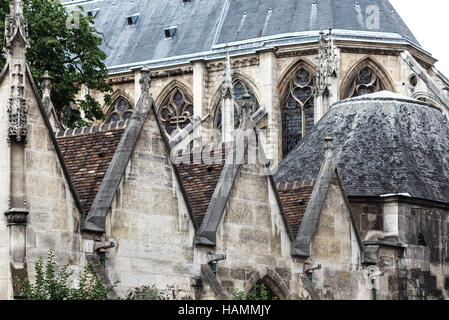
x=422, y=240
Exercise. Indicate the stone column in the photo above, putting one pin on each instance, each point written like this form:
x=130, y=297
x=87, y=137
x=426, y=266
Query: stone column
x=270, y=101
x=199, y=92
x=15, y=46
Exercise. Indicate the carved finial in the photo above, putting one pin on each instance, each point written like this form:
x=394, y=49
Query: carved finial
x=227, y=88
x=145, y=79
x=15, y=46
x=329, y=145
x=16, y=25
x=46, y=84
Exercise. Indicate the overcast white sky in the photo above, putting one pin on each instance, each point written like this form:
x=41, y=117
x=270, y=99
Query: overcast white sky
x=429, y=22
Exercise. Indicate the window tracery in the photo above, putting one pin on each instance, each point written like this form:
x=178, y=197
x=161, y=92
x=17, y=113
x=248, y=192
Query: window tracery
x=121, y=110
x=298, y=108
x=176, y=112
x=366, y=81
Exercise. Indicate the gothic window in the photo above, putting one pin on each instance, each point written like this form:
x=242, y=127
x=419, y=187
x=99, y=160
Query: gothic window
x=176, y=112
x=121, y=110
x=240, y=88
x=298, y=109
x=364, y=82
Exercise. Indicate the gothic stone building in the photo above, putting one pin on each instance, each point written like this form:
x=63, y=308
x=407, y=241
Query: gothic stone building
x=348, y=198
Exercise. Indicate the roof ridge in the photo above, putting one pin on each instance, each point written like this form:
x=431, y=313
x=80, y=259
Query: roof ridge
x=104, y=127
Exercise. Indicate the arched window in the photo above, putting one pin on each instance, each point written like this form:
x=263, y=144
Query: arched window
x=121, y=110
x=240, y=88
x=297, y=108
x=176, y=112
x=365, y=81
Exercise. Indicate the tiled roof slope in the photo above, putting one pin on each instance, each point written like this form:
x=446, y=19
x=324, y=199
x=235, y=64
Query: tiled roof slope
x=295, y=199
x=88, y=157
x=199, y=181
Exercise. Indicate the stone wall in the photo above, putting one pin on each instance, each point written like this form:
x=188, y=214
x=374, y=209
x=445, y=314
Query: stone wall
x=420, y=268
x=335, y=247
x=254, y=238
x=54, y=220
x=150, y=222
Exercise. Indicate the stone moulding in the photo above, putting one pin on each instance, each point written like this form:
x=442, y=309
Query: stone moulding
x=276, y=283
x=16, y=216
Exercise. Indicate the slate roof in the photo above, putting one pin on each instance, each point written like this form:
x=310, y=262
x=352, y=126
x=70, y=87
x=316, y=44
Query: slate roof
x=295, y=198
x=384, y=143
x=199, y=181
x=87, y=157
x=204, y=27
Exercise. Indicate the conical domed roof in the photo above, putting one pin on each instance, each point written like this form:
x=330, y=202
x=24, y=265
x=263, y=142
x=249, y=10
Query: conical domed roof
x=384, y=143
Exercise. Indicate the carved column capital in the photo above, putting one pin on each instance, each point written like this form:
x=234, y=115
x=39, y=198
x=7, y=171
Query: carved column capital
x=16, y=216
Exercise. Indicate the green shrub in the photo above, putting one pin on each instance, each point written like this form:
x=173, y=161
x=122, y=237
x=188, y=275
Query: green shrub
x=53, y=285
x=258, y=293
x=152, y=293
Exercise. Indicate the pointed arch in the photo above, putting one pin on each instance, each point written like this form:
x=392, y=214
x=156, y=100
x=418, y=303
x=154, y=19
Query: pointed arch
x=297, y=92
x=291, y=70
x=241, y=84
x=168, y=88
x=271, y=279
x=428, y=98
x=121, y=108
x=366, y=76
x=175, y=107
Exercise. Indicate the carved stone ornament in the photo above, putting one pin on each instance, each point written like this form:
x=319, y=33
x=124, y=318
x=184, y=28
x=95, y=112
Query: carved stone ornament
x=16, y=25
x=16, y=44
x=328, y=63
x=16, y=216
x=145, y=79
x=227, y=89
x=247, y=108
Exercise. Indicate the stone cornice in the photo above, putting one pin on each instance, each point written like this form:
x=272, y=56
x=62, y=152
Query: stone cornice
x=235, y=63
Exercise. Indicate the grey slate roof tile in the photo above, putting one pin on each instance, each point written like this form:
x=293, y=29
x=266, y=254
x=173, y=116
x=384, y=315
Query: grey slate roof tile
x=201, y=24
x=382, y=146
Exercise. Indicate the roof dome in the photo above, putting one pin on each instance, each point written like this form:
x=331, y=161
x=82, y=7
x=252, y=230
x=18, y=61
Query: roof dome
x=384, y=143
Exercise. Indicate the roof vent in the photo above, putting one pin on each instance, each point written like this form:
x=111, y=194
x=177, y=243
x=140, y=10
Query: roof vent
x=133, y=19
x=170, y=32
x=93, y=13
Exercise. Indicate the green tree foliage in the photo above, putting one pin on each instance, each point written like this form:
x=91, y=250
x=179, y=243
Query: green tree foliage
x=258, y=293
x=72, y=57
x=53, y=285
x=152, y=293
